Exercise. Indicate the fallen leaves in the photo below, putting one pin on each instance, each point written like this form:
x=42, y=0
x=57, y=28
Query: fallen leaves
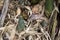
x=29, y=20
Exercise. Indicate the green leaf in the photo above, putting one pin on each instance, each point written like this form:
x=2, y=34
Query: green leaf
x=49, y=5
x=21, y=24
x=44, y=23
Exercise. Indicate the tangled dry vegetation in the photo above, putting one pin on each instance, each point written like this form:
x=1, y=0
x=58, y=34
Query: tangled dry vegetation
x=36, y=23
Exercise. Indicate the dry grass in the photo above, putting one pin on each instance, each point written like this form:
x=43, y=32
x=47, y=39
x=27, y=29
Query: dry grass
x=34, y=30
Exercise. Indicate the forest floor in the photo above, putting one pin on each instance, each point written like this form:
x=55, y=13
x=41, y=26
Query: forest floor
x=20, y=20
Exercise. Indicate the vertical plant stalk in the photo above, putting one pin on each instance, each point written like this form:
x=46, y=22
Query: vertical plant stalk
x=54, y=26
x=4, y=12
x=49, y=7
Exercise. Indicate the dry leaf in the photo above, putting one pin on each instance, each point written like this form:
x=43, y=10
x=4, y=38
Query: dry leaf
x=37, y=9
x=18, y=10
